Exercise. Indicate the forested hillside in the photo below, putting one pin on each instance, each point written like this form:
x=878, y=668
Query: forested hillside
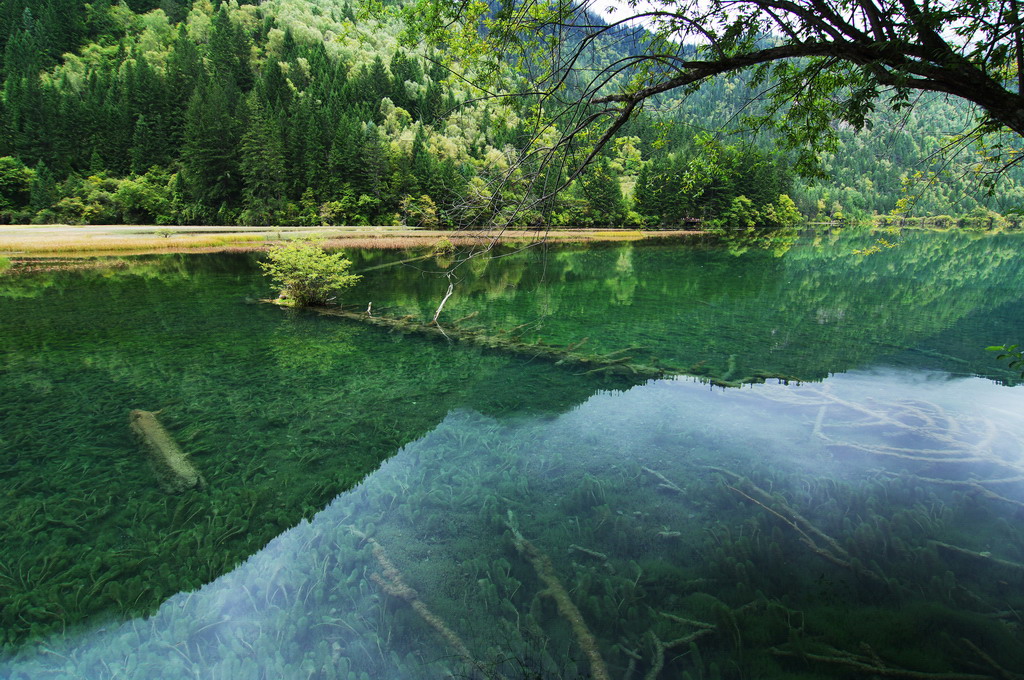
x=307, y=113
x=899, y=163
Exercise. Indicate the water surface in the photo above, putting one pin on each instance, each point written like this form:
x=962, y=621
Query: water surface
x=816, y=529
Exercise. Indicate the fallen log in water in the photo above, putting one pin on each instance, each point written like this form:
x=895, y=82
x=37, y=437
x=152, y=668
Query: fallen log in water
x=612, y=363
x=556, y=591
x=171, y=465
x=565, y=356
x=555, y=353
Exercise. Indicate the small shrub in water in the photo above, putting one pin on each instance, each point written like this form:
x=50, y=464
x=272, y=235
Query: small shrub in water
x=443, y=246
x=306, y=274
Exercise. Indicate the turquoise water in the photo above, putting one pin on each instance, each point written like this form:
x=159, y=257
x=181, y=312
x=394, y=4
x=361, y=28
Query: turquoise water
x=935, y=300
x=864, y=520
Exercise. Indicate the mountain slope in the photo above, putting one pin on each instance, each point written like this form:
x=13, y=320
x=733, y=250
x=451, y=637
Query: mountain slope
x=299, y=112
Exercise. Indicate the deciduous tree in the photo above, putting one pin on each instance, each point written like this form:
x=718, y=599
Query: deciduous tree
x=821, y=62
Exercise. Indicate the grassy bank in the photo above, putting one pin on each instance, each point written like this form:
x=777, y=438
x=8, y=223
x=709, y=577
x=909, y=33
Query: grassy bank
x=61, y=240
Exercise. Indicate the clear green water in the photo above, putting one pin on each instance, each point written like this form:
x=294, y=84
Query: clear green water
x=777, y=530
x=935, y=300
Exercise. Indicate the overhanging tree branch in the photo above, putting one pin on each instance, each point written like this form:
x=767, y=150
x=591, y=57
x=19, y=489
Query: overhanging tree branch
x=972, y=50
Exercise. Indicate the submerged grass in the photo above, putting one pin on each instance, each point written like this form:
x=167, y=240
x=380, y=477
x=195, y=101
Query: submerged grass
x=642, y=562
x=830, y=563
x=278, y=413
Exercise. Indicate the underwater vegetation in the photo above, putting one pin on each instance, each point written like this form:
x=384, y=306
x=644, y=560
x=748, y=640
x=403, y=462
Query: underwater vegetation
x=377, y=505
x=600, y=544
x=278, y=414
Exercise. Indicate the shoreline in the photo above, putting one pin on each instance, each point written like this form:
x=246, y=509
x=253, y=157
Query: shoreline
x=38, y=241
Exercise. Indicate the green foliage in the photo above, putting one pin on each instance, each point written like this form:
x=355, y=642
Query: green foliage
x=783, y=214
x=102, y=199
x=741, y=214
x=293, y=112
x=744, y=216
x=443, y=246
x=262, y=163
x=144, y=199
x=419, y=211
x=780, y=75
x=602, y=193
x=347, y=209
x=982, y=218
x=306, y=274
x=704, y=181
x=15, y=182
x=1011, y=352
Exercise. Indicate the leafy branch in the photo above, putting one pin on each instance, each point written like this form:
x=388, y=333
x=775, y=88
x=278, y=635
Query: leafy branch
x=1011, y=352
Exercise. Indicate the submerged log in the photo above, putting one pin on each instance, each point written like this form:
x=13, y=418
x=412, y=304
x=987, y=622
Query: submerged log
x=556, y=591
x=554, y=353
x=393, y=583
x=612, y=363
x=172, y=467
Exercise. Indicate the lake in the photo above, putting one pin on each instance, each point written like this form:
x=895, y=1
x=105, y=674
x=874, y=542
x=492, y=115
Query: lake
x=828, y=481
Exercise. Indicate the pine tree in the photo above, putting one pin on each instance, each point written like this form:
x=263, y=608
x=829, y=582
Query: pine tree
x=378, y=85
x=372, y=174
x=23, y=53
x=27, y=118
x=421, y=164
x=315, y=160
x=274, y=85
x=43, y=189
x=343, y=161
x=184, y=70
x=144, y=151
x=404, y=69
x=229, y=54
x=604, y=195
x=209, y=157
x=148, y=103
x=645, y=194
x=429, y=108
x=262, y=162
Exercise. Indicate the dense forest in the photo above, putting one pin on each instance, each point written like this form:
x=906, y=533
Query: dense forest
x=914, y=161
x=300, y=113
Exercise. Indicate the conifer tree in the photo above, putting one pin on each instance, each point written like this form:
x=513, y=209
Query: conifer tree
x=377, y=84
x=314, y=146
x=209, y=157
x=404, y=69
x=603, y=194
x=343, y=162
x=274, y=85
x=43, y=189
x=421, y=165
x=229, y=54
x=144, y=151
x=371, y=177
x=262, y=162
